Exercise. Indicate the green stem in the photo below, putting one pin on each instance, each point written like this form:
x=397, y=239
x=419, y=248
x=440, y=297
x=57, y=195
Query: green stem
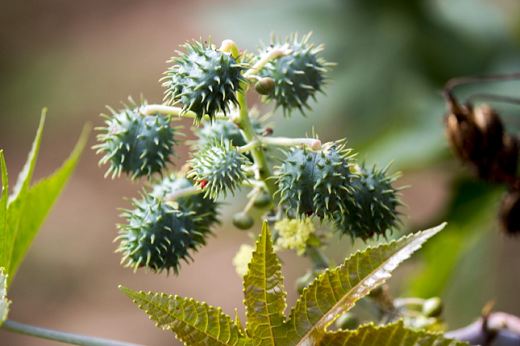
x=187, y=191
x=68, y=338
x=317, y=257
x=163, y=109
x=249, y=146
x=271, y=55
x=257, y=153
x=284, y=141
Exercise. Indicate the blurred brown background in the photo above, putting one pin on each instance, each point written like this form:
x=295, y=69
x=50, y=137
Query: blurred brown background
x=393, y=57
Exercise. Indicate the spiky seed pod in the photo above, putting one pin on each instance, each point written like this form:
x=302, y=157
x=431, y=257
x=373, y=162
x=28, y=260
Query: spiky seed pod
x=159, y=236
x=226, y=130
x=136, y=144
x=373, y=207
x=298, y=76
x=217, y=169
x=204, y=80
x=204, y=208
x=316, y=182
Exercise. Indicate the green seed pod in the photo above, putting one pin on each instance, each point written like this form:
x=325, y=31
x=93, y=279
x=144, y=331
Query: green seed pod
x=432, y=307
x=204, y=80
x=205, y=208
x=347, y=321
x=158, y=236
x=372, y=210
x=297, y=76
x=316, y=182
x=136, y=144
x=263, y=200
x=265, y=86
x=243, y=220
x=217, y=168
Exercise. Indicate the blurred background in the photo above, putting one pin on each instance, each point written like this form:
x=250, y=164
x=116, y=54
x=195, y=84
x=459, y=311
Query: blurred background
x=393, y=58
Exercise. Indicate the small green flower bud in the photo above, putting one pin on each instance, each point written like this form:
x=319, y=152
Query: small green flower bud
x=347, y=321
x=432, y=307
x=265, y=86
x=243, y=221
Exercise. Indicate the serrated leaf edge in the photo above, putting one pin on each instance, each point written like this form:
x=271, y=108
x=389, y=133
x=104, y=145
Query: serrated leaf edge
x=399, y=325
x=263, y=249
x=134, y=295
x=327, y=317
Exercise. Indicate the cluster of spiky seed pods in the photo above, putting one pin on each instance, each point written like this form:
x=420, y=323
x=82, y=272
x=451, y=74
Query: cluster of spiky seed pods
x=478, y=137
x=178, y=211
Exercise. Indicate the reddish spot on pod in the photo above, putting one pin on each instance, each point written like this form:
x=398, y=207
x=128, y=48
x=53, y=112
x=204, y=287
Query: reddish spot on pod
x=309, y=213
x=203, y=183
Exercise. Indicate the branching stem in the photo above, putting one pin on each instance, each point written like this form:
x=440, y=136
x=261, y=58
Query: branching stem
x=271, y=55
x=68, y=338
x=249, y=146
x=187, y=191
x=258, y=154
x=172, y=110
x=285, y=141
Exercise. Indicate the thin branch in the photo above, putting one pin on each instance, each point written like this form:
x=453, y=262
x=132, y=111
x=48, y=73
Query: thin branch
x=68, y=338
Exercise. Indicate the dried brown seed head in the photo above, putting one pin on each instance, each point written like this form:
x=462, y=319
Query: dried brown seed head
x=509, y=213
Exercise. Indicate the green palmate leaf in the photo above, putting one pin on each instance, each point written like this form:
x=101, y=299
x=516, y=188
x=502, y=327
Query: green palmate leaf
x=16, y=201
x=3, y=212
x=264, y=294
x=337, y=290
x=331, y=294
x=24, y=178
x=390, y=335
x=39, y=201
x=28, y=206
x=194, y=323
x=4, y=303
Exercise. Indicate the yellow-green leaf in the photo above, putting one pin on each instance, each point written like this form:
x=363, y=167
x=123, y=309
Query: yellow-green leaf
x=3, y=213
x=337, y=290
x=194, y=323
x=264, y=294
x=16, y=201
x=22, y=213
x=390, y=335
x=38, y=202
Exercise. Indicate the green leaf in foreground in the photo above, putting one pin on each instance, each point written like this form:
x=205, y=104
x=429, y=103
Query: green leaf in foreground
x=331, y=294
x=336, y=291
x=3, y=212
x=194, y=323
x=16, y=201
x=28, y=206
x=389, y=335
x=4, y=303
x=264, y=294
